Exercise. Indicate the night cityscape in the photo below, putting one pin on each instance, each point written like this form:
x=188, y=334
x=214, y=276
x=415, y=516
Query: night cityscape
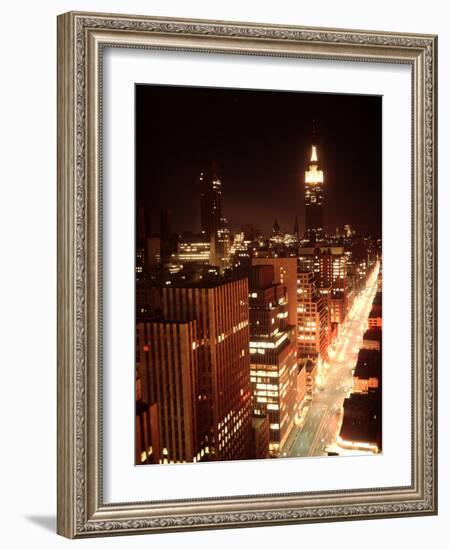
x=258, y=274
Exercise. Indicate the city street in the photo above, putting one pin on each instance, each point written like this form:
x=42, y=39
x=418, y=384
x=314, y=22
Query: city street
x=322, y=423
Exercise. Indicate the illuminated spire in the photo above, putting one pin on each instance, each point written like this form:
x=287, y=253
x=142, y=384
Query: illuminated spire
x=313, y=175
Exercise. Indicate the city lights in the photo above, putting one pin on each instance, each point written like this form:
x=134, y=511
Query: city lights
x=255, y=337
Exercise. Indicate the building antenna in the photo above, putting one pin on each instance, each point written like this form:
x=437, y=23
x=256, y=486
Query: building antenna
x=313, y=132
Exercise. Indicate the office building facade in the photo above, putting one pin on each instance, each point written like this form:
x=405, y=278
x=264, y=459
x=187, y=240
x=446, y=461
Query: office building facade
x=274, y=370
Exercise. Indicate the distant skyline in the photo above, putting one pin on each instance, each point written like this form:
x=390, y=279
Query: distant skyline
x=261, y=142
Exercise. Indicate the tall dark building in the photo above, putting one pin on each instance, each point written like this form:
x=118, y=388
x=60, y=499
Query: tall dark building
x=314, y=199
x=142, y=233
x=210, y=202
x=142, y=226
x=296, y=228
x=214, y=226
x=166, y=244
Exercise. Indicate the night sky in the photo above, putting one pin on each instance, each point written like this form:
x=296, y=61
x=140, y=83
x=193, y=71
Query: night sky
x=261, y=143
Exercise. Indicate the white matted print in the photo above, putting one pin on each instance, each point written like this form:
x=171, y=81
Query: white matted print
x=123, y=480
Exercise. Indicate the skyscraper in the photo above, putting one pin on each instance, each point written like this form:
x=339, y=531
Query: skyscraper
x=213, y=224
x=142, y=233
x=210, y=202
x=313, y=325
x=195, y=367
x=274, y=369
x=334, y=276
x=314, y=199
x=167, y=245
x=168, y=369
x=284, y=273
x=296, y=228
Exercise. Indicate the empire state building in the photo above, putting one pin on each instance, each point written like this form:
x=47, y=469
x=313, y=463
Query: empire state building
x=314, y=198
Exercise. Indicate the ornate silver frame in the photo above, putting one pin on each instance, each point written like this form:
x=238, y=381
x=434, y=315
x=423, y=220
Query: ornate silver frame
x=81, y=38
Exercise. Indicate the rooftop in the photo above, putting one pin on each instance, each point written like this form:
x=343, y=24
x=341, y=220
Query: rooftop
x=374, y=333
x=378, y=299
x=362, y=419
x=368, y=364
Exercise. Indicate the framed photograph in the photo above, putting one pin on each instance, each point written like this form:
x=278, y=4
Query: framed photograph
x=246, y=274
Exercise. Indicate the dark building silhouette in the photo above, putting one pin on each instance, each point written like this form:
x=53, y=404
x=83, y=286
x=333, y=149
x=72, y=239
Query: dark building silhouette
x=260, y=436
x=250, y=232
x=362, y=422
x=372, y=339
x=168, y=242
x=367, y=373
x=210, y=201
x=142, y=234
x=214, y=225
x=296, y=228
